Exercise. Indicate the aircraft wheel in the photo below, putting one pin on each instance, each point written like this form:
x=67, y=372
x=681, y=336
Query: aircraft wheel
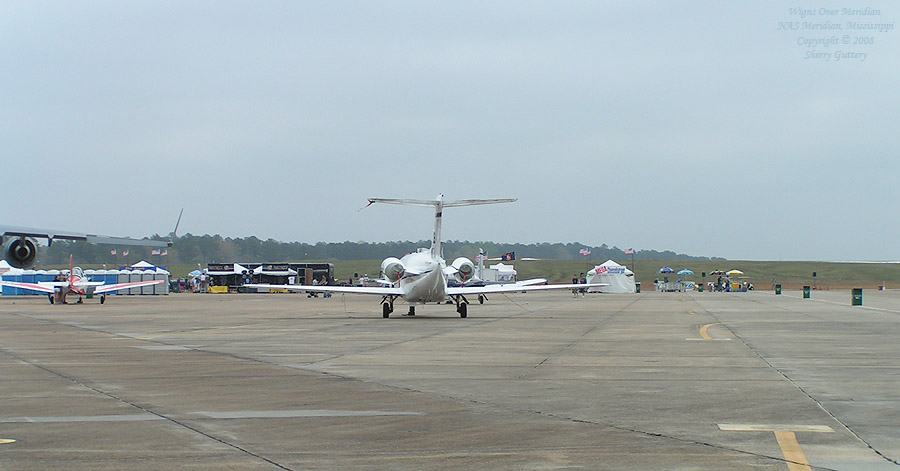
x=480, y=299
x=102, y=299
x=385, y=310
x=50, y=296
x=462, y=310
x=412, y=310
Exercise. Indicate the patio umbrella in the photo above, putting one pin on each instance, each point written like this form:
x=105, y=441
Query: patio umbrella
x=665, y=270
x=685, y=271
x=734, y=273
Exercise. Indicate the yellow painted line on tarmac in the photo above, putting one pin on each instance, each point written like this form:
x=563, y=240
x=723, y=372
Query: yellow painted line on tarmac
x=6, y=441
x=704, y=331
x=786, y=438
x=790, y=448
x=691, y=312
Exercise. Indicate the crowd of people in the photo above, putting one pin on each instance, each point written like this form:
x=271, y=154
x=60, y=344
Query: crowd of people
x=724, y=284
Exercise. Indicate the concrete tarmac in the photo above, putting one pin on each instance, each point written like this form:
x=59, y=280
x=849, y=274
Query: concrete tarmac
x=538, y=381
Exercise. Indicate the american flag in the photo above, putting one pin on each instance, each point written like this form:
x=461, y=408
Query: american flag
x=154, y=252
x=585, y=251
x=164, y=252
x=629, y=251
x=112, y=252
x=124, y=253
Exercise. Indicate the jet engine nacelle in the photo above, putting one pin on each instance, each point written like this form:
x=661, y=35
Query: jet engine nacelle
x=393, y=269
x=465, y=269
x=21, y=252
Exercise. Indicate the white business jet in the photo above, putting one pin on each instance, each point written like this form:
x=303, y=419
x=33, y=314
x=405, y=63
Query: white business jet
x=421, y=277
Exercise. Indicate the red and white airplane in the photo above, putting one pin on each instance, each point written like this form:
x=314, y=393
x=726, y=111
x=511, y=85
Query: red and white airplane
x=76, y=283
x=421, y=277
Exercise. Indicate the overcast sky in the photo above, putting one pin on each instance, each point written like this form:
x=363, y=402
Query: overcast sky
x=706, y=128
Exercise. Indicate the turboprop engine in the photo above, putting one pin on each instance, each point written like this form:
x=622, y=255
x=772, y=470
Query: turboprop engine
x=393, y=269
x=21, y=252
x=465, y=269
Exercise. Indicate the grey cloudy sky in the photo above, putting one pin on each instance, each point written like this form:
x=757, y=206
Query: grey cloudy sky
x=707, y=128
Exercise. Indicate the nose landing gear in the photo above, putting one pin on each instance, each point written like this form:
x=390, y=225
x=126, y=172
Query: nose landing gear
x=461, y=309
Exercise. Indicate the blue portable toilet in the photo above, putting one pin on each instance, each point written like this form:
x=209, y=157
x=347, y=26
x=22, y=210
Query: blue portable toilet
x=8, y=290
x=111, y=278
x=28, y=276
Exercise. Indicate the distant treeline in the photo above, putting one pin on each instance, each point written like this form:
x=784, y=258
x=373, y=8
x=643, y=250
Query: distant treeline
x=191, y=249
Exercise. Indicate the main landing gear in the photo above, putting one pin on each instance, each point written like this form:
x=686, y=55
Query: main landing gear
x=387, y=306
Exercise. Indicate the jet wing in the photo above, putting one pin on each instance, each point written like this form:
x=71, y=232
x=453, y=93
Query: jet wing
x=532, y=281
x=52, y=234
x=375, y=290
x=43, y=288
x=115, y=287
x=514, y=287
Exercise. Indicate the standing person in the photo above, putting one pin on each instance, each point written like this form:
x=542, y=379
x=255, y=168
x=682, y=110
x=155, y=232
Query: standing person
x=323, y=283
x=313, y=294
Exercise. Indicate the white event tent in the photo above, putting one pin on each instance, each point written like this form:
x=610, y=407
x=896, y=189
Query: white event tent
x=618, y=278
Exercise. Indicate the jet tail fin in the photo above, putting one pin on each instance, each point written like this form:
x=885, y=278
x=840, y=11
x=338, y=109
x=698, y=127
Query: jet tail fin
x=438, y=204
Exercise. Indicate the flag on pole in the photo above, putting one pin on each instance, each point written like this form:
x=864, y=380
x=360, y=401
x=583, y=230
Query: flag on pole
x=585, y=251
x=154, y=252
x=124, y=253
x=112, y=252
x=164, y=253
x=629, y=251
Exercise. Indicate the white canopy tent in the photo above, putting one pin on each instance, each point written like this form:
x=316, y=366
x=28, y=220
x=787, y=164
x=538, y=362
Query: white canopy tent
x=618, y=278
x=505, y=273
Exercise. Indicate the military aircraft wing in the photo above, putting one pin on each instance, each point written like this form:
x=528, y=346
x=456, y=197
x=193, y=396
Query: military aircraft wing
x=53, y=234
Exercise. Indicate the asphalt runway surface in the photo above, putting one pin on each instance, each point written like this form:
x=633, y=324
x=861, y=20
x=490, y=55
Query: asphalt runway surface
x=537, y=381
